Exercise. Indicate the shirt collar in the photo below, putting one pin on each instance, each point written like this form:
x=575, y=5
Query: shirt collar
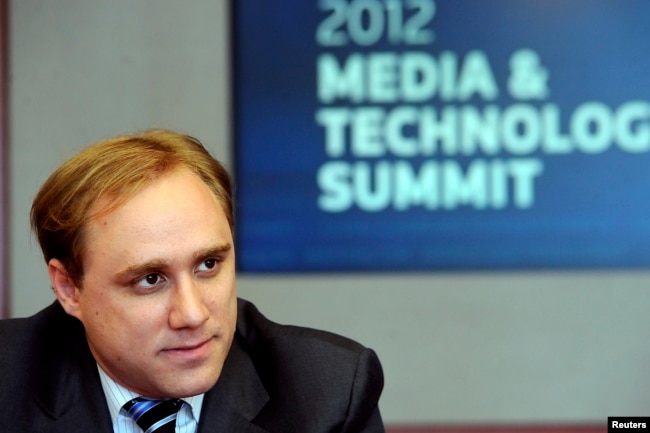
x=117, y=395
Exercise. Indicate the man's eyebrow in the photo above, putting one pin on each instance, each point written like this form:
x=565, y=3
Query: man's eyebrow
x=157, y=265
x=149, y=267
x=212, y=251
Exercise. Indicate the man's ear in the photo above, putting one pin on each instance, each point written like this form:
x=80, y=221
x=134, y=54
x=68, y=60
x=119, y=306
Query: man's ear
x=65, y=289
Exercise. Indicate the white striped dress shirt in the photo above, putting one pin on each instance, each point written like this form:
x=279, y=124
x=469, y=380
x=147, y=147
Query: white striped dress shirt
x=116, y=395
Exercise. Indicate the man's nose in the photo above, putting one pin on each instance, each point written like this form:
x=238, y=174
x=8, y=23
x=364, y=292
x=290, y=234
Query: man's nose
x=188, y=308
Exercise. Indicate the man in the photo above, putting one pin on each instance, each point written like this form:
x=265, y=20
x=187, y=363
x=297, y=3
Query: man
x=137, y=235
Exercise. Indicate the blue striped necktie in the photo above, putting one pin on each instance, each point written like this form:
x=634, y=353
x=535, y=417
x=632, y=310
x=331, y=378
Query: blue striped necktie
x=154, y=416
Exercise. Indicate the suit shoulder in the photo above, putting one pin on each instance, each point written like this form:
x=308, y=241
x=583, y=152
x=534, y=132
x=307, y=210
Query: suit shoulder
x=19, y=333
x=305, y=370
x=256, y=330
x=37, y=338
x=30, y=347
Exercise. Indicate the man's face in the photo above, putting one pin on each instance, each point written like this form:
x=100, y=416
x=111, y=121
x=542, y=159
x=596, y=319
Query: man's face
x=158, y=300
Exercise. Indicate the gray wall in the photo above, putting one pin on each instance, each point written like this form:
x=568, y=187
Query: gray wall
x=559, y=347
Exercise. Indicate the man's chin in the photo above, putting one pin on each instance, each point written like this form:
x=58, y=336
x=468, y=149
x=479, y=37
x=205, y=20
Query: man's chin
x=183, y=386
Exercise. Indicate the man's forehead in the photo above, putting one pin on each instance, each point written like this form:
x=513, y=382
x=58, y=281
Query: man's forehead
x=171, y=213
x=114, y=198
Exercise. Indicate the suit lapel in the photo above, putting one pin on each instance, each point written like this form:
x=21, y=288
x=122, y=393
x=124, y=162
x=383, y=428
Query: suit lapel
x=70, y=396
x=236, y=399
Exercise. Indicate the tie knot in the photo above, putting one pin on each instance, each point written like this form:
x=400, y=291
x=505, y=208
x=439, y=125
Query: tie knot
x=157, y=416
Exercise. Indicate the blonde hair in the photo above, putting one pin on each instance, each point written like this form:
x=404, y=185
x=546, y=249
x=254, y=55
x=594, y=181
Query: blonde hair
x=114, y=170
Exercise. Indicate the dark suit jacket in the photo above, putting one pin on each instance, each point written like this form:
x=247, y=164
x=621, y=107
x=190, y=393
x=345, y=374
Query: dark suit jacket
x=276, y=378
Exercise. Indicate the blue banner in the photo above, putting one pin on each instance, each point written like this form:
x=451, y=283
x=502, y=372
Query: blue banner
x=387, y=135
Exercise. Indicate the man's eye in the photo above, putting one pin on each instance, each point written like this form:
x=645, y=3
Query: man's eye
x=149, y=280
x=208, y=264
